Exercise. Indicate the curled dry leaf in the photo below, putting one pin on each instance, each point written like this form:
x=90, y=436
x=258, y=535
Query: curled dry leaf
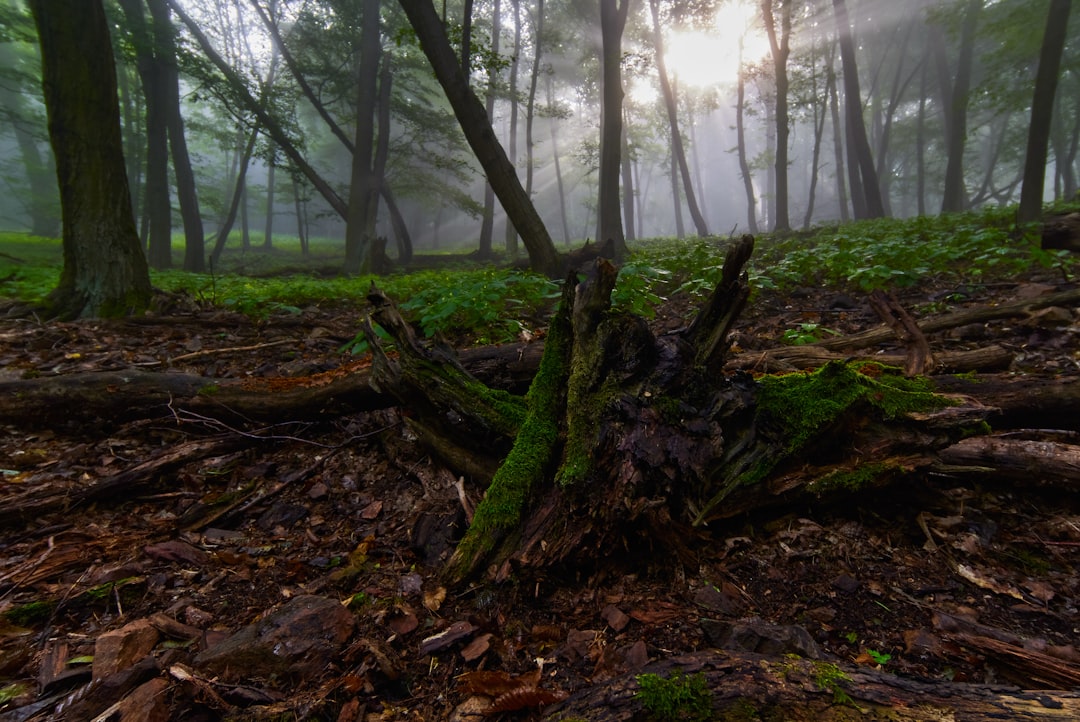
x=433, y=600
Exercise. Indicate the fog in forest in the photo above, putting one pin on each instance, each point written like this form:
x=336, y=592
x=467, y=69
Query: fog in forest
x=925, y=68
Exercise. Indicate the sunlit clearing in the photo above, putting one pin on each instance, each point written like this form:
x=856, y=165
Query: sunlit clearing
x=706, y=58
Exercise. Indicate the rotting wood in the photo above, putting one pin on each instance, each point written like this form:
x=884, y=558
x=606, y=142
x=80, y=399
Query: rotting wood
x=796, y=689
x=37, y=501
x=920, y=360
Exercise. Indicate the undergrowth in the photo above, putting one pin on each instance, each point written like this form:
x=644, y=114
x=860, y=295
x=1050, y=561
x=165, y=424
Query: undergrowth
x=493, y=305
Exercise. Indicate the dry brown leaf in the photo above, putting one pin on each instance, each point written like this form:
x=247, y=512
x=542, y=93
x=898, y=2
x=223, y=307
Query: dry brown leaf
x=433, y=600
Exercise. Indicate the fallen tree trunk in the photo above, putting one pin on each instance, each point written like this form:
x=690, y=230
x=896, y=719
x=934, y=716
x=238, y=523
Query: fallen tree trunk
x=751, y=686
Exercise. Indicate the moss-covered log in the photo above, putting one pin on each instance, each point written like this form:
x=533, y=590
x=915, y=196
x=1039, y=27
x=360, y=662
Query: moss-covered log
x=625, y=439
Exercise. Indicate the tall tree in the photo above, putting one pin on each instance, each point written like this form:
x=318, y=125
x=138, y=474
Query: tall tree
x=861, y=160
x=186, y=192
x=510, y=240
x=955, y=197
x=158, y=212
x=740, y=139
x=104, y=271
x=487, y=221
x=780, y=49
x=677, y=149
x=364, y=188
x=1042, y=111
x=481, y=137
x=609, y=214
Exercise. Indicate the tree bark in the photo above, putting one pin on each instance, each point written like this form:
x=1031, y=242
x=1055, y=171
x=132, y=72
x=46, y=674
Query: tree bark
x=955, y=199
x=481, y=137
x=608, y=208
x=186, y=192
x=364, y=186
x=1042, y=111
x=740, y=134
x=780, y=50
x=104, y=271
x=859, y=146
x=158, y=206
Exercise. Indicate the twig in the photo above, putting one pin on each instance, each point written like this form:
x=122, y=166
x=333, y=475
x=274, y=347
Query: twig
x=232, y=349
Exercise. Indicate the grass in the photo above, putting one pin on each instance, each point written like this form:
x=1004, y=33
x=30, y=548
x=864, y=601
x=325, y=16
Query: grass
x=491, y=305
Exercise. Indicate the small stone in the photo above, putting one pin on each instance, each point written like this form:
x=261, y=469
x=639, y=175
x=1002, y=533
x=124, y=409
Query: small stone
x=845, y=584
x=121, y=648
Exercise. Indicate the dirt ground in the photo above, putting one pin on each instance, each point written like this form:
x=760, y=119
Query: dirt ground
x=354, y=510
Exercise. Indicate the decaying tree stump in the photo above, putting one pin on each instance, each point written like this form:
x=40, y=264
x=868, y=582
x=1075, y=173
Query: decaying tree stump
x=625, y=439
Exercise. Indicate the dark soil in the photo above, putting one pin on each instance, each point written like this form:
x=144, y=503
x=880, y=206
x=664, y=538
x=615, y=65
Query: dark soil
x=874, y=580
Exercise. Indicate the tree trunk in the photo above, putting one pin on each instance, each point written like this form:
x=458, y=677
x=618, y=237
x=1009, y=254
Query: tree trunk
x=186, y=192
x=268, y=228
x=629, y=192
x=1042, y=111
x=158, y=206
x=363, y=187
x=530, y=105
x=481, y=138
x=235, y=200
x=510, y=242
x=558, y=166
x=487, y=221
x=859, y=146
x=955, y=199
x=255, y=107
x=838, y=144
x=104, y=271
x=740, y=135
x=608, y=207
x=780, y=50
x=677, y=150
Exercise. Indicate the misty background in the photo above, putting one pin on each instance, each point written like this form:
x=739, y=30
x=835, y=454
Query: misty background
x=925, y=67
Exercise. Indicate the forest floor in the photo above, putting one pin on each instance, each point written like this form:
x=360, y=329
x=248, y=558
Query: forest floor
x=355, y=511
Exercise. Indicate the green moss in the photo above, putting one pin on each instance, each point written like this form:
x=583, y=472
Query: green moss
x=208, y=390
x=527, y=463
x=828, y=677
x=800, y=406
x=27, y=615
x=675, y=698
x=854, y=479
x=795, y=409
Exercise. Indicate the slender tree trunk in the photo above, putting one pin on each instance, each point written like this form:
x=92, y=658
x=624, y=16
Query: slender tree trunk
x=363, y=188
x=612, y=22
x=150, y=65
x=740, y=134
x=268, y=232
x=511, y=239
x=301, y=221
x=678, y=152
x=859, y=148
x=104, y=271
x=780, y=48
x=628, y=191
x=487, y=221
x=838, y=143
x=955, y=198
x=481, y=138
x=559, y=185
x=1064, y=153
x=530, y=106
x=1042, y=111
x=256, y=108
x=236, y=200
x=820, y=113
x=920, y=145
x=680, y=230
x=186, y=192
